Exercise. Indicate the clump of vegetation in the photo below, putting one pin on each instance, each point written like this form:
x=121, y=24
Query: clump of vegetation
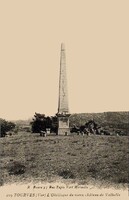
x=16, y=168
x=66, y=174
x=90, y=127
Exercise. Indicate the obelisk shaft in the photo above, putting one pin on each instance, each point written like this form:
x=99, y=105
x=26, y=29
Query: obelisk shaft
x=63, y=92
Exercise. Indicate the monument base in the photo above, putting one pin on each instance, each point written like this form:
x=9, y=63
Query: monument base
x=63, y=131
x=63, y=124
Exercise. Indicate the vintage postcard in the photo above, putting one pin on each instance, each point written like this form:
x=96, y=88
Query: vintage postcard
x=64, y=114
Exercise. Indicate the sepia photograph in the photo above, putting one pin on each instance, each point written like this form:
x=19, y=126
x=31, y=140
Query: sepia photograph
x=64, y=110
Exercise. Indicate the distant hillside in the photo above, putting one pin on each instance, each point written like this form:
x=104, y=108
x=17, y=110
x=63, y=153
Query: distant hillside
x=119, y=120
x=102, y=118
x=22, y=122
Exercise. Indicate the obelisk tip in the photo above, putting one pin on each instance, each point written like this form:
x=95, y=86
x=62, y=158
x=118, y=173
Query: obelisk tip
x=62, y=46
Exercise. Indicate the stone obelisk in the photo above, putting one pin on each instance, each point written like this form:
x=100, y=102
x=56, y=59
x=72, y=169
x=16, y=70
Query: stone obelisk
x=63, y=109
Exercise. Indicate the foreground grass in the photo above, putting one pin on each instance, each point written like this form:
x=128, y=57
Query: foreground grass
x=28, y=157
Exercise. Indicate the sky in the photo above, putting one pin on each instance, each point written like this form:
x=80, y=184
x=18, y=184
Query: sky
x=96, y=37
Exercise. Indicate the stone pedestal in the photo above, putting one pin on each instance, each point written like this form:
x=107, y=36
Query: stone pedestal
x=63, y=124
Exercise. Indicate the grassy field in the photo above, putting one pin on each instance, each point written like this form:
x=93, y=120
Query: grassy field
x=101, y=160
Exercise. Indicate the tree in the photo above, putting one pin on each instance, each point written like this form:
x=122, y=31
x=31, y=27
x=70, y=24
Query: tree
x=41, y=123
x=54, y=126
x=5, y=126
x=38, y=123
